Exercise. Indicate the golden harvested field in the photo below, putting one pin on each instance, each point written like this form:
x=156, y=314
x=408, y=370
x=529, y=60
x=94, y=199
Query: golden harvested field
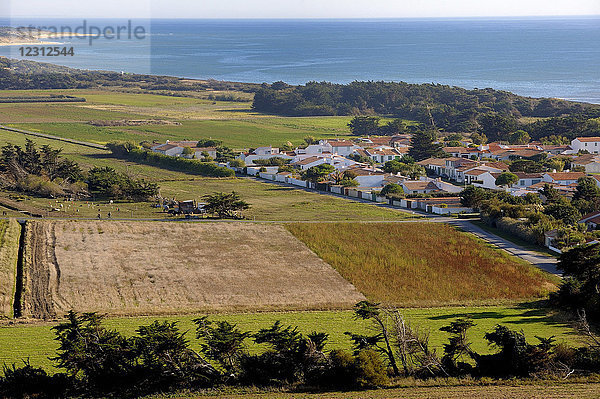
x=422, y=264
x=10, y=231
x=133, y=268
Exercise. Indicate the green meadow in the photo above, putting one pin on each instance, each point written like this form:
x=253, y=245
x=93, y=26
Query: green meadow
x=35, y=341
x=235, y=123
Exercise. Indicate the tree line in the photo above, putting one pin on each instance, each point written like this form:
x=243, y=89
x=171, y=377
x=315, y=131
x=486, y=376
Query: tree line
x=94, y=361
x=44, y=172
x=494, y=113
x=134, y=153
x=29, y=75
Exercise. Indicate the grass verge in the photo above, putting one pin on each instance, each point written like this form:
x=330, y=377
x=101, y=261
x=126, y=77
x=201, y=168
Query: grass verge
x=10, y=231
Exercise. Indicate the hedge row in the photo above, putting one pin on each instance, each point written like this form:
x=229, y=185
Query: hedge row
x=517, y=228
x=207, y=169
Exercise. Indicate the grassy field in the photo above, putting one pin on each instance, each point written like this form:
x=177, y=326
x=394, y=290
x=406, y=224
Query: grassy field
x=416, y=264
x=279, y=203
x=35, y=341
x=269, y=203
x=237, y=133
x=233, y=122
x=10, y=231
x=173, y=268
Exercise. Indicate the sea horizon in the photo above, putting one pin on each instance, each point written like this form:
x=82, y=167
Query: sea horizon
x=545, y=56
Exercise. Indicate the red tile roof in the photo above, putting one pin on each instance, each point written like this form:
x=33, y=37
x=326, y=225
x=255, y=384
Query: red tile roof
x=566, y=175
x=588, y=139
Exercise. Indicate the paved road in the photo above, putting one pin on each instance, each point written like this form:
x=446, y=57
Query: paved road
x=544, y=262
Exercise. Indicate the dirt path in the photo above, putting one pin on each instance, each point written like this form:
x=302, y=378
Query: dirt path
x=51, y=137
x=39, y=272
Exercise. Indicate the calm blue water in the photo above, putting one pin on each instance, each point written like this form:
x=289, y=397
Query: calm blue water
x=552, y=57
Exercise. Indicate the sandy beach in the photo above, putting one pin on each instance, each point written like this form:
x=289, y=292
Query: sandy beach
x=37, y=43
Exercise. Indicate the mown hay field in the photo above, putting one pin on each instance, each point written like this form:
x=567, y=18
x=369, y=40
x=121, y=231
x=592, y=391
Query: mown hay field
x=133, y=268
x=10, y=231
x=421, y=264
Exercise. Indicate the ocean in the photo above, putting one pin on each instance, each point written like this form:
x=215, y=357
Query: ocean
x=539, y=57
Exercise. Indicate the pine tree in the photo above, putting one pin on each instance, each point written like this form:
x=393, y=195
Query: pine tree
x=423, y=145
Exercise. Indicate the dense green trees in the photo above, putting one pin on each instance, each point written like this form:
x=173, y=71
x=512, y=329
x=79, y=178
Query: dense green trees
x=530, y=216
x=225, y=206
x=412, y=170
x=318, y=173
x=488, y=111
x=40, y=171
x=364, y=125
x=107, y=183
x=423, y=145
x=506, y=179
x=496, y=126
x=519, y=137
x=369, y=126
x=44, y=172
x=392, y=189
x=134, y=153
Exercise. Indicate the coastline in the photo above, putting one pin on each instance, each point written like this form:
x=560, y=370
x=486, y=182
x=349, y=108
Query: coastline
x=42, y=39
x=38, y=43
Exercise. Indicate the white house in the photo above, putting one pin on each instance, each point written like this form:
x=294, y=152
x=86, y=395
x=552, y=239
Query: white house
x=592, y=220
x=383, y=154
x=369, y=178
x=590, y=144
x=171, y=150
x=418, y=187
x=309, y=162
x=340, y=147
x=435, y=165
x=338, y=162
x=313, y=149
x=198, y=151
x=486, y=180
x=527, y=179
x=590, y=162
x=263, y=153
x=563, y=178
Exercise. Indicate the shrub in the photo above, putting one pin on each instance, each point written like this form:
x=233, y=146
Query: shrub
x=237, y=163
x=370, y=370
x=40, y=186
x=27, y=381
x=392, y=188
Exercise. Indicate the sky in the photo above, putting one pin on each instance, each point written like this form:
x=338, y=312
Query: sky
x=295, y=8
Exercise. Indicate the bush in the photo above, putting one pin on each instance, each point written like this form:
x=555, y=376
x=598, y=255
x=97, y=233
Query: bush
x=40, y=186
x=237, y=163
x=370, y=372
x=27, y=381
x=392, y=188
x=519, y=229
